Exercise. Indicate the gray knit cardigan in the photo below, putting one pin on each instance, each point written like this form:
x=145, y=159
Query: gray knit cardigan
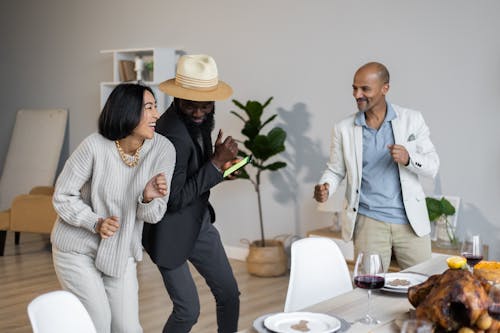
x=95, y=183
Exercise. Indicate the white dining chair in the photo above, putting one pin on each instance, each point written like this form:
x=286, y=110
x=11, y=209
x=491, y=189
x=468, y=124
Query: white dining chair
x=59, y=312
x=318, y=271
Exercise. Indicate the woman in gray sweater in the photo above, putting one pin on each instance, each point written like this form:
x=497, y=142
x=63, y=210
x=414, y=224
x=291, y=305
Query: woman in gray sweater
x=111, y=184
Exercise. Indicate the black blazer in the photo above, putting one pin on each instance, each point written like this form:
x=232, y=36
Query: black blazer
x=170, y=241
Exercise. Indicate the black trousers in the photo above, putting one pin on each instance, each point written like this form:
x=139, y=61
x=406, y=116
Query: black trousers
x=210, y=260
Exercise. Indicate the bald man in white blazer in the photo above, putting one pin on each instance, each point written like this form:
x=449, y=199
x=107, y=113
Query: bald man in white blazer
x=381, y=150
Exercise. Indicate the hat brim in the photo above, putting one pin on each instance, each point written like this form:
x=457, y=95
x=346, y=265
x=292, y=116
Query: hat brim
x=222, y=92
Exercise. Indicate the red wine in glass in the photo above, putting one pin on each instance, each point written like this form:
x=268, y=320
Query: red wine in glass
x=369, y=281
x=494, y=311
x=472, y=259
x=369, y=274
x=472, y=250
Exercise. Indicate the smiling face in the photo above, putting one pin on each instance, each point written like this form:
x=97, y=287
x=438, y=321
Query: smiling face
x=146, y=127
x=369, y=88
x=196, y=111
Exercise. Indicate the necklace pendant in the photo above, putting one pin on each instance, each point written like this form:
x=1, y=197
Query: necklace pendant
x=130, y=161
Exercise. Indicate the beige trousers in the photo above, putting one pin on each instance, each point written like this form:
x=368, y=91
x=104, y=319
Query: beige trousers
x=387, y=238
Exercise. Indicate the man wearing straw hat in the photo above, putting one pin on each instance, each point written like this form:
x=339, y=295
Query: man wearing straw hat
x=186, y=232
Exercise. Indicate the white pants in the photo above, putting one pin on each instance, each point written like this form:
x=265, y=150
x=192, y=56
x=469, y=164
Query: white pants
x=112, y=303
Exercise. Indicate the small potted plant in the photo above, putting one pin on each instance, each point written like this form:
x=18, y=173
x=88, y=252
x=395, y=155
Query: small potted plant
x=266, y=257
x=149, y=66
x=439, y=210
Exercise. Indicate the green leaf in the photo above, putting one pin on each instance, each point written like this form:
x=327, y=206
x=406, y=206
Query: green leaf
x=238, y=104
x=250, y=130
x=260, y=147
x=242, y=153
x=447, y=207
x=249, y=145
x=277, y=137
x=275, y=166
x=436, y=208
x=266, y=103
x=237, y=115
x=433, y=208
x=271, y=144
x=433, y=216
x=268, y=121
x=254, y=111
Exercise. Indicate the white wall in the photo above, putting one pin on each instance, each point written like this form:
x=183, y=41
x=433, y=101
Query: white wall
x=444, y=57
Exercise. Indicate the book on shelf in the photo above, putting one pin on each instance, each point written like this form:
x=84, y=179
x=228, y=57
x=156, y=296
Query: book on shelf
x=126, y=70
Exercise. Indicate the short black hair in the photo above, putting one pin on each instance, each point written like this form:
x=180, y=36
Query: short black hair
x=122, y=111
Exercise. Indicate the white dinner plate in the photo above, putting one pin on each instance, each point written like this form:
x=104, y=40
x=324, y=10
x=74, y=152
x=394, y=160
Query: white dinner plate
x=314, y=322
x=400, y=282
x=258, y=324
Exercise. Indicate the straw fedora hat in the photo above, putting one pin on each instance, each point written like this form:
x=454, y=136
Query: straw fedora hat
x=196, y=79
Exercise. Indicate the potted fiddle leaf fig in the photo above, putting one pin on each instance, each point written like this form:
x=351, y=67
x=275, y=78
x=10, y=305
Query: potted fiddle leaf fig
x=439, y=210
x=262, y=147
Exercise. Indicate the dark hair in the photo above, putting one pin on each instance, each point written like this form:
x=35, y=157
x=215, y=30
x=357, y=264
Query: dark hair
x=122, y=111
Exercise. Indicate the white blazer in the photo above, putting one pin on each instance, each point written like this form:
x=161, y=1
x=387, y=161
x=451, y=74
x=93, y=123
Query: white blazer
x=346, y=160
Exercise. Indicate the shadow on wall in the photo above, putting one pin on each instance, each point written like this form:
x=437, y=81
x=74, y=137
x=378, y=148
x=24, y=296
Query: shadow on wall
x=305, y=161
x=471, y=220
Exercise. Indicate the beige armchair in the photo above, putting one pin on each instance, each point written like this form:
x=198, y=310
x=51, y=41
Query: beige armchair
x=31, y=212
x=32, y=160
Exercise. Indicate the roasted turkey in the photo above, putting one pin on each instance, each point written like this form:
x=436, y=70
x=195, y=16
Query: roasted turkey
x=453, y=300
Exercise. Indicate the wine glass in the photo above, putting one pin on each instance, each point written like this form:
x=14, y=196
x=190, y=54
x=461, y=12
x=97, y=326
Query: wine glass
x=369, y=274
x=494, y=306
x=416, y=326
x=472, y=250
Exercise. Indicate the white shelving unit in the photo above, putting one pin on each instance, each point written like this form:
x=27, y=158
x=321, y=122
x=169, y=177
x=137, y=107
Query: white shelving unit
x=164, y=61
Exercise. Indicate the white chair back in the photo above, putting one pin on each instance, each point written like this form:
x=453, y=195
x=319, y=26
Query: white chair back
x=59, y=312
x=318, y=271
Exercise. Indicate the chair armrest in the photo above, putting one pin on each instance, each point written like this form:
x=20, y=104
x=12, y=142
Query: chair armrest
x=32, y=213
x=46, y=190
x=5, y=220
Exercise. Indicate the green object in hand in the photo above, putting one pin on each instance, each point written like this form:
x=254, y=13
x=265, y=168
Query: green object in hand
x=238, y=165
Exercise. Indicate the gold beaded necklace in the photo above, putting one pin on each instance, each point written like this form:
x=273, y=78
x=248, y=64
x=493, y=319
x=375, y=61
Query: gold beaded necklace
x=131, y=162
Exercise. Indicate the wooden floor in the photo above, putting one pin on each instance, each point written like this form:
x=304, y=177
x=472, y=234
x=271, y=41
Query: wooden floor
x=26, y=271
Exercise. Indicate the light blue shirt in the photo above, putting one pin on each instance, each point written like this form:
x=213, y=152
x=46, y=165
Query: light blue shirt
x=381, y=197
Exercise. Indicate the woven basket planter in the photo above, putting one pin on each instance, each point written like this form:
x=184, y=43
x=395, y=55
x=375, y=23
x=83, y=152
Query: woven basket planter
x=267, y=261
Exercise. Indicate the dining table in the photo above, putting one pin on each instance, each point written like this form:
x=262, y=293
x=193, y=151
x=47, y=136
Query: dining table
x=389, y=308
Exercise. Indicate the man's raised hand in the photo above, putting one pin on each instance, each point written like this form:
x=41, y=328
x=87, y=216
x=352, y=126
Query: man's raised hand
x=321, y=192
x=224, y=151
